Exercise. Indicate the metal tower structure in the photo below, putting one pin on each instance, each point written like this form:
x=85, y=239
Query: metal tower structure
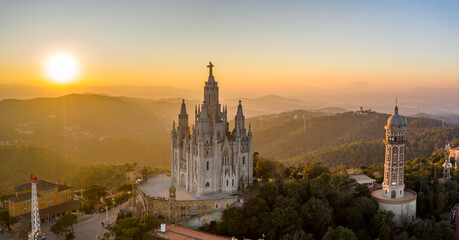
x=35, y=215
x=447, y=164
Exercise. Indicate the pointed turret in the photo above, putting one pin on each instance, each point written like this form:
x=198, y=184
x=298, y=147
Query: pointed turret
x=239, y=120
x=183, y=108
x=173, y=128
x=183, y=120
x=239, y=109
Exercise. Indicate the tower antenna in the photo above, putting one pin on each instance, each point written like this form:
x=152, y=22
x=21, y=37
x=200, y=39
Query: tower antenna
x=34, y=211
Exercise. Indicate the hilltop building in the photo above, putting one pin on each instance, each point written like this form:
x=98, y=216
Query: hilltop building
x=393, y=195
x=210, y=158
x=53, y=200
x=209, y=164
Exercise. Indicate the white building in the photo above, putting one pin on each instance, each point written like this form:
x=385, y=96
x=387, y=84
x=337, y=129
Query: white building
x=210, y=158
x=363, y=179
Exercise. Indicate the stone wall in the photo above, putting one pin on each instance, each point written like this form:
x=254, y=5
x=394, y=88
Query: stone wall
x=198, y=221
x=176, y=210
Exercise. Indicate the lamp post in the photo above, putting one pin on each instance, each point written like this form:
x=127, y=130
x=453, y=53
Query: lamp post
x=106, y=216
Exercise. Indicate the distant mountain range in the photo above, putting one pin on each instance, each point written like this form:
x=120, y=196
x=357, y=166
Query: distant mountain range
x=447, y=118
x=88, y=129
x=351, y=96
x=21, y=91
x=88, y=126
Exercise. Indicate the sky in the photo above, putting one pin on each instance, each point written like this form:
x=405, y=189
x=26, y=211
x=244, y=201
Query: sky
x=264, y=45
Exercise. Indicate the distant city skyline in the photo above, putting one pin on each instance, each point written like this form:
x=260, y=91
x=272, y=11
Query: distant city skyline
x=264, y=46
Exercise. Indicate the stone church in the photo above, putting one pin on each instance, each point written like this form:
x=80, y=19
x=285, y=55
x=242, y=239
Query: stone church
x=209, y=158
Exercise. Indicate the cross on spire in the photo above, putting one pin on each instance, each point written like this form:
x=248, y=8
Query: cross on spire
x=210, y=66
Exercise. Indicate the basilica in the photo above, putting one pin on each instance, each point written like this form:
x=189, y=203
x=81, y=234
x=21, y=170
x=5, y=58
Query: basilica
x=208, y=157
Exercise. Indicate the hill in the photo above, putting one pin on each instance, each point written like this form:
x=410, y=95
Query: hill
x=447, y=118
x=17, y=163
x=100, y=129
x=344, y=138
x=90, y=129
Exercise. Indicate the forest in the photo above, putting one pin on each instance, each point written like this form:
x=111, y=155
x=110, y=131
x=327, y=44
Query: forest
x=56, y=150
x=323, y=204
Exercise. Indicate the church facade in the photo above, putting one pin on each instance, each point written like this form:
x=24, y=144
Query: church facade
x=208, y=157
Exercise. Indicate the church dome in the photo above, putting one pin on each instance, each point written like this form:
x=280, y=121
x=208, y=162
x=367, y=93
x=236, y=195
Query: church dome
x=395, y=120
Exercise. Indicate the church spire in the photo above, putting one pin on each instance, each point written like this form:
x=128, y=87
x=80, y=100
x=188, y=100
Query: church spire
x=183, y=108
x=239, y=109
x=183, y=119
x=239, y=120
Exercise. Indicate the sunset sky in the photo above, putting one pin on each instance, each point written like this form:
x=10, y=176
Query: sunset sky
x=257, y=45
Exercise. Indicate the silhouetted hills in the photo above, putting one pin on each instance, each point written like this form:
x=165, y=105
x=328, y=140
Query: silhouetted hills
x=88, y=129
x=103, y=129
x=22, y=91
x=447, y=118
x=346, y=138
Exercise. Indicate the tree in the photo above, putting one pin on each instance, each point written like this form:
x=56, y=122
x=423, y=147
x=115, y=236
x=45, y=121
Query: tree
x=266, y=168
x=94, y=193
x=382, y=224
x=131, y=228
x=64, y=226
x=313, y=169
x=297, y=235
x=359, y=214
x=316, y=215
x=235, y=222
x=339, y=233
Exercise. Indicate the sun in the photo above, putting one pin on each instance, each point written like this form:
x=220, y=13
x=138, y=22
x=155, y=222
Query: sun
x=61, y=68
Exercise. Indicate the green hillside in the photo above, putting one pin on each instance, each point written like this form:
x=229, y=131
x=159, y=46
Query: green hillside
x=88, y=129
x=344, y=138
x=94, y=128
x=17, y=163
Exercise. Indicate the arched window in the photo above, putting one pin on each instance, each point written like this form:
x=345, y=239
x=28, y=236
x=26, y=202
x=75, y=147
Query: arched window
x=207, y=165
x=233, y=182
x=207, y=184
x=227, y=182
x=393, y=194
x=243, y=160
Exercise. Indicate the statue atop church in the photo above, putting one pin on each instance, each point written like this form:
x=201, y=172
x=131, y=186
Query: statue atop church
x=210, y=66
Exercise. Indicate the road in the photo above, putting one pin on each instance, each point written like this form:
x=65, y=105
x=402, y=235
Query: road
x=91, y=226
